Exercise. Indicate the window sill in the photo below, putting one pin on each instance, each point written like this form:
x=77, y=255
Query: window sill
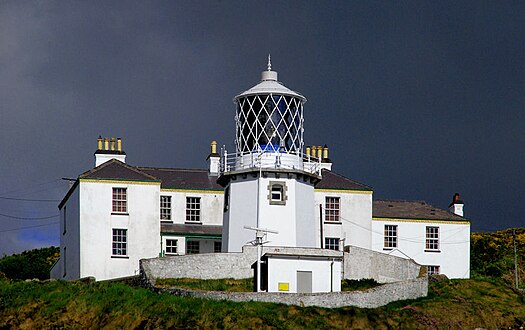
x=120, y=257
x=388, y=249
x=333, y=222
x=166, y=221
x=433, y=251
x=119, y=213
x=193, y=223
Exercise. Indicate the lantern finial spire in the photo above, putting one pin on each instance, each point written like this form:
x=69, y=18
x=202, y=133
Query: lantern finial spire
x=269, y=62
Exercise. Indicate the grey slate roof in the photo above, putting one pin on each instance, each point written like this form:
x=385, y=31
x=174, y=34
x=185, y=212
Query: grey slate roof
x=117, y=170
x=331, y=180
x=411, y=210
x=177, y=178
x=195, y=230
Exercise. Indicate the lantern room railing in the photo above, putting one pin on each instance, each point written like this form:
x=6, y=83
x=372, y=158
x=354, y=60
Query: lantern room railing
x=268, y=160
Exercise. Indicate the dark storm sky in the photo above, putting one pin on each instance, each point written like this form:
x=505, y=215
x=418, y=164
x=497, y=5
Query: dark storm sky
x=417, y=99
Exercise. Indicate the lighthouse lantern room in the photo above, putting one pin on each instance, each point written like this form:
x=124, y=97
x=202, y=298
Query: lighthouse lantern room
x=269, y=182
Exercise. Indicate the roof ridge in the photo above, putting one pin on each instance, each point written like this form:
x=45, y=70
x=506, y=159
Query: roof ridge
x=118, y=162
x=171, y=169
x=401, y=200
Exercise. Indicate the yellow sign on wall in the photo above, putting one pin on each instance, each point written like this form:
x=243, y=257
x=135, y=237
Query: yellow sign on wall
x=284, y=286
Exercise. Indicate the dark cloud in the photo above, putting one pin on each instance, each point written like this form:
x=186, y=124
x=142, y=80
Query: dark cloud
x=419, y=100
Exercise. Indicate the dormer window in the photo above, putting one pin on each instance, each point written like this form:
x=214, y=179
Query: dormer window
x=277, y=193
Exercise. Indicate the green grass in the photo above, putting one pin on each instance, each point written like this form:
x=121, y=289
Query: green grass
x=228, y=284
x=454, y=304
x=246, y=285
x=363, y=284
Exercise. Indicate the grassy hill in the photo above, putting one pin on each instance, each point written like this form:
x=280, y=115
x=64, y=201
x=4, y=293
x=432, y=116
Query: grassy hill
x=454, y=304
x=486, y=301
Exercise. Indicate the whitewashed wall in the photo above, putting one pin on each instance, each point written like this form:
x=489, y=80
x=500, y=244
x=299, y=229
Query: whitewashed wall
x=68, y=266
x=212, y=203
x=355, y=211
x=294, y=221
x=325, y=276
x=454, y=244
x=96, y=223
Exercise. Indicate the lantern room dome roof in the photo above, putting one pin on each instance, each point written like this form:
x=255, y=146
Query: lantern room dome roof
x=270, y=84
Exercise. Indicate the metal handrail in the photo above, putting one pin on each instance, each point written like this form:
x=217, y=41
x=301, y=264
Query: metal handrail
x=268, y=160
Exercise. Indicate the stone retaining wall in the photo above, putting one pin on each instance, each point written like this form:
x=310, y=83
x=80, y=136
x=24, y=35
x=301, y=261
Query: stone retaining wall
x=371, y=298
x=358, y=264
x=363, y=263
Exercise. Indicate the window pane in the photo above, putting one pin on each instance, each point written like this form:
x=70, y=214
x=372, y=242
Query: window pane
x=165, y=207
x=119, y=200
x=192, y=247
x=390, y=237
x=171, y=246
x=120, y=245
x=193, y=209
x=332, y=209
x=432, y=238
x=331, y=243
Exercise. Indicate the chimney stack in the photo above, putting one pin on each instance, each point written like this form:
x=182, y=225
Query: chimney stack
x=456, y=206
x=326, y=163
x=213, y=159
x=107, y=149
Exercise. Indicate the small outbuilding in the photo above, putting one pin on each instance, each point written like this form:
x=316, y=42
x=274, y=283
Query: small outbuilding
x=297, y=270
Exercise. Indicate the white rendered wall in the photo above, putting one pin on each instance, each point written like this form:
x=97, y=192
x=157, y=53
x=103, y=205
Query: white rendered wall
x=307, y=227
x=242, y=212
x=206, y=245
x=102, y=158
x=69, y=239
x=355, y=212
x=284, y=270
x=96, y=223
x=454, y=245
x=249, y=202
x=212, y=203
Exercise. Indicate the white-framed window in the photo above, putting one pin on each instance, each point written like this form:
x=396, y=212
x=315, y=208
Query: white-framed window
x=277, y=193
x=432, y=239
x=120, y=200
x=193, y=247
x=331, y=243
x=433, y=270
x=165, y=208
x=332, y=209
x=217, y=246
x=390, y=237
x=193, y=209
x=171, y=246
x=120, y=242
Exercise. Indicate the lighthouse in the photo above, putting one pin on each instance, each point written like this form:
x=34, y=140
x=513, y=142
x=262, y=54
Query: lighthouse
x=268, y=180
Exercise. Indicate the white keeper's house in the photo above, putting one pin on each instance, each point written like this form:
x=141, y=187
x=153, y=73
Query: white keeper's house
x=116, y=214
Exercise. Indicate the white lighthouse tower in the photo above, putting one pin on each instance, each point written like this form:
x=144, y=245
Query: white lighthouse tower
x=269, y=183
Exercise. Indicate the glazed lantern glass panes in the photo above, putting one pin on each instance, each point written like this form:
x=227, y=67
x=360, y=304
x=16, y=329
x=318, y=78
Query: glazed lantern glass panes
x=269, y=122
